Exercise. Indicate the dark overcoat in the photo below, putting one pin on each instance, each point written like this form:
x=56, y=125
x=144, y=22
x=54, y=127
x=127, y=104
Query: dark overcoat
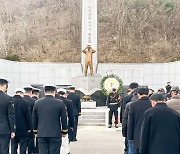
x=135, y=117
x=160, y=131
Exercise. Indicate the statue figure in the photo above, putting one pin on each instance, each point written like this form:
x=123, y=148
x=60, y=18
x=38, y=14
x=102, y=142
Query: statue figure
x=88, y=62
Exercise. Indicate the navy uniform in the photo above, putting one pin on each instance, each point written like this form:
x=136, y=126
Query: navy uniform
x=35, y=95
x=113, y=104
x=76, y=109
x=7, y=118
x=50, y=122
x=23, y=122
x=27, y=96
x=69, y=106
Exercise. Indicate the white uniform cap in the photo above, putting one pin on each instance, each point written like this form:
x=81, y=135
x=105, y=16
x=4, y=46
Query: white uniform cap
x=50, y=85
x=63, y=90
x=20, y=90
x=4, y=80
x=36, y=89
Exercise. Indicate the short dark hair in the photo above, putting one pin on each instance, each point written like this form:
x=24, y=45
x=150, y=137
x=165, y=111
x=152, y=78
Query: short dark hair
x=143, y=91
x=50, y=90
x=72, y=88
x=61, y=92
x=158, y=96
x=133, y=85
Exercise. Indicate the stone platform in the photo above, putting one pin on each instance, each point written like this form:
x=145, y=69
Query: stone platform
x=87, y=84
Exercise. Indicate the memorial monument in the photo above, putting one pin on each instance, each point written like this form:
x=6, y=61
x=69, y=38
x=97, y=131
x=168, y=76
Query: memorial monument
x=88, y=83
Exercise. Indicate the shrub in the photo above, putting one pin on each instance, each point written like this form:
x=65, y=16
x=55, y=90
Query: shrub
x=12, y=57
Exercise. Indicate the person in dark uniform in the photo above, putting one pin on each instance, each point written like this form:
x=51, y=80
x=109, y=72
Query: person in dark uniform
x=31, y=137
x=135, y=116
x=23, y=122
x=62, y=95
x=76, y=109
x=35, y=93
x=168, y=87
x=50, y=122
x=160, y=133
x=7, y=118
x=113, y=100
x=69, y=106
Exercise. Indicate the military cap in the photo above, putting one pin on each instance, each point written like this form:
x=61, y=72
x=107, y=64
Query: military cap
x=61, y=91
x=3, y=80
x=28, y=88
x=36, y=90
x=49, y=87
x=72, y=88
x=19, y=90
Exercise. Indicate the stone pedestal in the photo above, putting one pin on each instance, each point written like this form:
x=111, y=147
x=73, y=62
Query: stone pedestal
x=87, y=84
x=88, y=105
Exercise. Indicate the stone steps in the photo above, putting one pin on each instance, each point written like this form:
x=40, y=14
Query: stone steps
x=93, y=117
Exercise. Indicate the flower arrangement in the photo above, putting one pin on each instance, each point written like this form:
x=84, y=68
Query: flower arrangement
x=111, y=81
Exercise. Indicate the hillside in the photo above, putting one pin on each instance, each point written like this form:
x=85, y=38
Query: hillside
x=128, y=30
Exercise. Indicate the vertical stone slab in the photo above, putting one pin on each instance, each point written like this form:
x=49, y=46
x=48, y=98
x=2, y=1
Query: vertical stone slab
x=89, y=29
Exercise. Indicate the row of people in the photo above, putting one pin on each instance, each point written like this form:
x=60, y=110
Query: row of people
x=148, y=124
x=36, y=123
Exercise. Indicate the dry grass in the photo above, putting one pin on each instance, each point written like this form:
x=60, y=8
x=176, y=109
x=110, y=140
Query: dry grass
x=128, y=30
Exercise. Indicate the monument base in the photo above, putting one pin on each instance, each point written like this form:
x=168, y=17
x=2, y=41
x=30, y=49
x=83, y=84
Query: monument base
x=88, y=105
x=87, y=84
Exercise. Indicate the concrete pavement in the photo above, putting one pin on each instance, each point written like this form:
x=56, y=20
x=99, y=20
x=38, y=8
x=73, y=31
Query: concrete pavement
x=98, y=140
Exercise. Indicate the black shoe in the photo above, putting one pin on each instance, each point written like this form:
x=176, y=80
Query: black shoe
x=110, y=126
x=116, y=126
x=74, y=140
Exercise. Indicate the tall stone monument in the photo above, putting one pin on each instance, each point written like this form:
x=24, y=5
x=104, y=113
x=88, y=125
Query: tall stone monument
x=89, y=30
x=88, y=84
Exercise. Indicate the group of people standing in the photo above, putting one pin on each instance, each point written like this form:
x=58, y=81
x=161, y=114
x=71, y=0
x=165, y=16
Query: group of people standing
x=151, y=121
x=44, y=126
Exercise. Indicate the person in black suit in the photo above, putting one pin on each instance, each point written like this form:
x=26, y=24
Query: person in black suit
x=23, y=122
x=62, y=95
x=130, y=97
x=160, y=132
x=50, y=122
x=31, y=137
x=76, y=109
x=136, y=111
x=7, y=118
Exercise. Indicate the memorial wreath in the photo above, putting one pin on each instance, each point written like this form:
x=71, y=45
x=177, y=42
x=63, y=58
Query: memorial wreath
x=111, y=81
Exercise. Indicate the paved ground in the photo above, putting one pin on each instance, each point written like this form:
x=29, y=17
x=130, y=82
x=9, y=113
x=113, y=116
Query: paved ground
x=98, y=140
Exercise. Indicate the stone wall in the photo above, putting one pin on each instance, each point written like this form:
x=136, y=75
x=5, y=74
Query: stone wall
x=25, y=73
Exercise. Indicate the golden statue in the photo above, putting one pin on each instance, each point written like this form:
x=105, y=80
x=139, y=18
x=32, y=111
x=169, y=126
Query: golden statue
x=88, y=62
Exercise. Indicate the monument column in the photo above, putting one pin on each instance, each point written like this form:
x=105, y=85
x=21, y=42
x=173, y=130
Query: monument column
x=89, y=30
